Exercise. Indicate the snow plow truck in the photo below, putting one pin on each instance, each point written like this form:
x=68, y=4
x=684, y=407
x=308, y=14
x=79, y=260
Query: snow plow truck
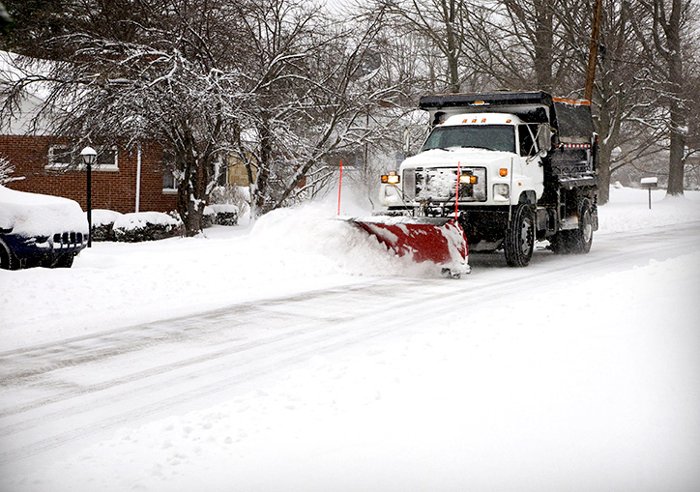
x=509, y=167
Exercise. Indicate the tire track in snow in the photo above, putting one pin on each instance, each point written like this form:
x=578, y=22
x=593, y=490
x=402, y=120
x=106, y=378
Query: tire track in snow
x=289, y=348
x=263, y=311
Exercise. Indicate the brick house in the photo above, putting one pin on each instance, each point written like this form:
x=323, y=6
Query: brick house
x=49, y=165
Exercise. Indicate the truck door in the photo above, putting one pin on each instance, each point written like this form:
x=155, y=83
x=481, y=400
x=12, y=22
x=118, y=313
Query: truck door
x=531, y=160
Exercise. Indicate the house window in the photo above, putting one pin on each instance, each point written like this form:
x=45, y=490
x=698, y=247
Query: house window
x=63, y=157
x=169, y=180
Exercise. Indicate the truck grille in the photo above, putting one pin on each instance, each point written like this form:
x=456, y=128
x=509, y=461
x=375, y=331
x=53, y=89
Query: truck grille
x=438, y=184
x=68, y=239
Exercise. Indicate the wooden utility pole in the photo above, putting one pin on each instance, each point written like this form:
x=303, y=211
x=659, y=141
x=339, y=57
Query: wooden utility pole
x=593, y=49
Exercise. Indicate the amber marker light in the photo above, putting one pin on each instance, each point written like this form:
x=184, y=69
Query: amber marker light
x=503, y=172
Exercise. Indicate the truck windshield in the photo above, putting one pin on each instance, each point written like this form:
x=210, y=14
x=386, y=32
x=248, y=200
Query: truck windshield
x=491, y=137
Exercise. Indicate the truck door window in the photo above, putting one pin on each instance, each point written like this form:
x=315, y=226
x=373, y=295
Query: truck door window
x=527, y=141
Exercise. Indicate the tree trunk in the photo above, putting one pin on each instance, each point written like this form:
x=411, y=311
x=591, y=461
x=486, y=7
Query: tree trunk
x=677, y=107
x=677, y=124
x=452, y=48
x=604, y=152
x=262, y=200
x=543, y=45
x=677, y=149
x=192, y=196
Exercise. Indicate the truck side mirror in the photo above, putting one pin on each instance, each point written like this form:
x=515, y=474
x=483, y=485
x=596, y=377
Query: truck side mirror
x=544, y=138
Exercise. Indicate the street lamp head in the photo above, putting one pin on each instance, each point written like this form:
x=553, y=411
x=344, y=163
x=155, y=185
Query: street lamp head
x=89, y=155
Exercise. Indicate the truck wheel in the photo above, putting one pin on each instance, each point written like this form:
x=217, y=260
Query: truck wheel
x=520, y=237
x=580, y=240
x=65, y=261
x=559, y=243
x=7, y=261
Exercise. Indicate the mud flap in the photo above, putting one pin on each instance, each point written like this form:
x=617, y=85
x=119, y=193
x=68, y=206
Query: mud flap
x=438, y=240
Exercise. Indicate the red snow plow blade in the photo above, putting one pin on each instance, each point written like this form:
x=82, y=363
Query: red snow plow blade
x=439, y=240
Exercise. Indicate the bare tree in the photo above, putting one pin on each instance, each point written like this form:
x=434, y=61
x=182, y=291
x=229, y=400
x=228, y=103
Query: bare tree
x=443, y=23
x=665, y=32
x=310, y=101
x=162, y=70
x=620, y=99
x=7, y=171
x=526, y=44
x=273, y=81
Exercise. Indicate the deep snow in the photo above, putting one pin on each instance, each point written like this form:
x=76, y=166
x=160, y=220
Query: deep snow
x=602, y=392
x=34, y=214
x=289, y=250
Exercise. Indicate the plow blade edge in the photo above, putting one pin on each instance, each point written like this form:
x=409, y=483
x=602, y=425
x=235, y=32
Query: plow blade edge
x=438, y=240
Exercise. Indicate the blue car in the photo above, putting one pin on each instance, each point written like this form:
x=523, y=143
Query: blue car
x=39, y=230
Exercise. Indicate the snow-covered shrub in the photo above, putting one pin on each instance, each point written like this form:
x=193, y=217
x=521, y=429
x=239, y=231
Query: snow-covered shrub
x=208, y=217
x=146, y=226
x=225, y=214
x=103, y=224
x=232, y=195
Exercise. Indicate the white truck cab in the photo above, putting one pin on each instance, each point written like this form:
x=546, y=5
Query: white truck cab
x=498, y=156
x=513, y=166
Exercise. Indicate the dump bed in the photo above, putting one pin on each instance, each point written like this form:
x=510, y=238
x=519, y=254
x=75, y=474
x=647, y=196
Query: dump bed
x=570, y=119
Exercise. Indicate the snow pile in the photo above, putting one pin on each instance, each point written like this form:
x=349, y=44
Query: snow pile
x=140, y=220
x=286, y=251
x=628, y=209
x=33, y=214
x=101, y=217
x=145, y=226
x=223, y=208
x=220, y=213
x=311, y=240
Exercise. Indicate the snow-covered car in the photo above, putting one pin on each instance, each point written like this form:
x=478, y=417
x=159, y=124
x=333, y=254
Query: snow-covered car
x=39, y=230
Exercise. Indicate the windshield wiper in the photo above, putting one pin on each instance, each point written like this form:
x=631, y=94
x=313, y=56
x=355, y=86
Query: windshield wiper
x=473, y=147
x=446, y=149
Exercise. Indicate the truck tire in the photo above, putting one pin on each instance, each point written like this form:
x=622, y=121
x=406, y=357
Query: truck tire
x=580, y=239
x=65, y=261
x=520, y=237
x=559, y=243
x=7, y=260
x=577, y=241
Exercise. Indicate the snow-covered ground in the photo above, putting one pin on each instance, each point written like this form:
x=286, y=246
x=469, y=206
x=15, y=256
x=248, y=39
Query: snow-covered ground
x=577, y=373
x=115, y=284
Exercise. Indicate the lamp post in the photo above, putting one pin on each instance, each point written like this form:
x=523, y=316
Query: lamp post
x=89, y=156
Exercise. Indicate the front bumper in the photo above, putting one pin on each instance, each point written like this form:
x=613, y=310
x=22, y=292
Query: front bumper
x=43, y=250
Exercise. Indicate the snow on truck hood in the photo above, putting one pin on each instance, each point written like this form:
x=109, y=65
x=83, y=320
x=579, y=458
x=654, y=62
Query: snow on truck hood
x=467, y=157
x=33, y=214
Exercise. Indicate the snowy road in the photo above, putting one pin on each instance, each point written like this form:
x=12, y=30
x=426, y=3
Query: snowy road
x=57, y=398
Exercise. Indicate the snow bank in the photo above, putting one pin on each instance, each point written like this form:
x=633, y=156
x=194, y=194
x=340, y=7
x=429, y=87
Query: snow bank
x=32, y=214
x=227, y=208
x=119, y=284
x=628, y=209
x=140, y=220
x=311, y=239
x=102, y=217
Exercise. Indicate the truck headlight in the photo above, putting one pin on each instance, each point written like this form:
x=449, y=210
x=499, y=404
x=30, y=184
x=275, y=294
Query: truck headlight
x=501, y=191
x=391, y=178
x=468, y=179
